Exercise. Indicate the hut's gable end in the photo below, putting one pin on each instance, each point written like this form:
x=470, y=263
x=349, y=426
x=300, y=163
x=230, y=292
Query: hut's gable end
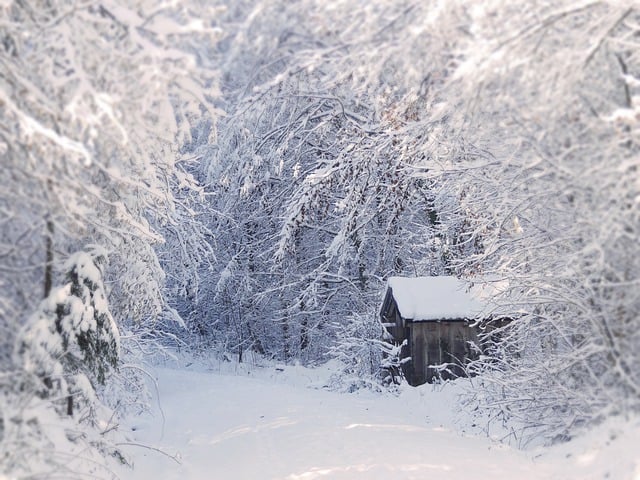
x=391, y=317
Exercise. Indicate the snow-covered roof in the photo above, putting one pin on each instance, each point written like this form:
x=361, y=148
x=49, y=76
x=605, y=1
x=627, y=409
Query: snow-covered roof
x=437, y=298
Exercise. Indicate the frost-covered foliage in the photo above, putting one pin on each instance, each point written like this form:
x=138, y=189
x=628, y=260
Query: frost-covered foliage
x=547, y=95
x=455, y=137
x=316, y=199
x=96, y=101
x=366, y=354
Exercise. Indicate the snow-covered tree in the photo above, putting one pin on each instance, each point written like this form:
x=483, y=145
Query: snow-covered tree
x=315, y=196
x=95, y=105
x=545, y=97
x=72, y=337
x=96, y=101
x=67, y=349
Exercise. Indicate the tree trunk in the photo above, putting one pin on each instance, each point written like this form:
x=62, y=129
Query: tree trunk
x=48, y=266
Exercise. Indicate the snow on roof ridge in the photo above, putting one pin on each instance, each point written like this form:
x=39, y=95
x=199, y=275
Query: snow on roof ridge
x=437, y=298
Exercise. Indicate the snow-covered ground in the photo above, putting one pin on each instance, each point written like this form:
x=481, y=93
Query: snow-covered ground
x=265, y=423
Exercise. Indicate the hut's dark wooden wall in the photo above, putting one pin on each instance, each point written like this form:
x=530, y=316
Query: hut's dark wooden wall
x=435, y=343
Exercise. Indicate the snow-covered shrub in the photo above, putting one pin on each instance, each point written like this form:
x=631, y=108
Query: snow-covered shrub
x=365, y=354
x=37, y=442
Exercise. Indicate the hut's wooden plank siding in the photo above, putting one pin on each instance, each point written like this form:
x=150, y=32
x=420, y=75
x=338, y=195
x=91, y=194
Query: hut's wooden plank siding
x=436, y=343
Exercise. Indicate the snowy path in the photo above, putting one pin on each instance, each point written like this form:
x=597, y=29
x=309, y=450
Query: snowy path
x=244, y=428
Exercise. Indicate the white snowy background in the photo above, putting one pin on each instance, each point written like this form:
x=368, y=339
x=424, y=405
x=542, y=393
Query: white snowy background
x=231, y=184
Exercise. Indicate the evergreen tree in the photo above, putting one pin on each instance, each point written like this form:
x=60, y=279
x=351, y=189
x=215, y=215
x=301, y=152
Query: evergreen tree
x=72, y=337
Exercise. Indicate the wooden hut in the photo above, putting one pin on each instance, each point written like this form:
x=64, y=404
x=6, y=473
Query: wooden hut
x=435, y=315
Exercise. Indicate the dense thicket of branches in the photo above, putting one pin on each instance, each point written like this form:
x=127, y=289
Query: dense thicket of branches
x=95, y=101
x=359, y=140
x=313, y=180
x=490, y=141
x=556, y=107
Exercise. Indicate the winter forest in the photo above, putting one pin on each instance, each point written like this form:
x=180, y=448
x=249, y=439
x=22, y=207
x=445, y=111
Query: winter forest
x=238, y=179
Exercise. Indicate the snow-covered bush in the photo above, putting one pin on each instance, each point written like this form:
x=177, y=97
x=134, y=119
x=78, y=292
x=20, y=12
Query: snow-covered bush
x=366, y=356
